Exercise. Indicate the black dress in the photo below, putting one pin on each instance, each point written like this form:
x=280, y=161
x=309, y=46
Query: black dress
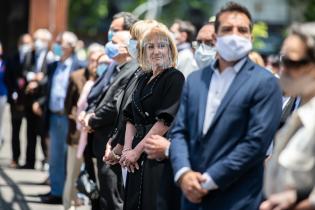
x=153, y=101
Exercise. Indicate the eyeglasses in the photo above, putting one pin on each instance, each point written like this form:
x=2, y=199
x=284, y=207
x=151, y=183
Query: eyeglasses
x=197, y=43
x=289, y=63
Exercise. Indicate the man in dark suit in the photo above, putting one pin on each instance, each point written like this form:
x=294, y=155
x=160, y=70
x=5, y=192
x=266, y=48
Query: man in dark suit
x=54, y=109
x=42, y=57
x=16, y=78
x=101, y=118
x=228, y=115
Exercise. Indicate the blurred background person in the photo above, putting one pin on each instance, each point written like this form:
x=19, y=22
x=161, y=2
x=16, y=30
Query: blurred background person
x=273, y=64
x=76, y=85
x=18, y=66
x=3, y=90
x=204, y=45
x=35, y=121
x=184, y=33
x=256, y=58
x=53, y=106
x=80, y=51
x=289, y=178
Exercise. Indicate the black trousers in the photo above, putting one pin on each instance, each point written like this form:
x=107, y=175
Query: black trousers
x=111, y=186
x=35, y=127
x=16, y=121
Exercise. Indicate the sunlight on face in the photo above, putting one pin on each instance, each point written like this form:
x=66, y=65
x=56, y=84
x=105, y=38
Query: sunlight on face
x=157, y=52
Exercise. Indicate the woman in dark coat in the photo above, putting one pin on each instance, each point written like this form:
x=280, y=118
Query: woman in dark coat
x=152, y=109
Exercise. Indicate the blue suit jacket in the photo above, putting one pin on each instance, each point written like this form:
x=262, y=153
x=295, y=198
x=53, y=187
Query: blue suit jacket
x=234, y=148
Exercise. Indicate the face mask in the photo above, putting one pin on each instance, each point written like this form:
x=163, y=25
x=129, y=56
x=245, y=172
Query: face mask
x=101, y=69
x=25, y=48
x=110, y=35
x=233, y=47
x=111, y=49
x=132, y=48
x=204, y=55
x=57, y=50
x=40, y=45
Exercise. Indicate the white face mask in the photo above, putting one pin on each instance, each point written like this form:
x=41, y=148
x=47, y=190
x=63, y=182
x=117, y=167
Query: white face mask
x=233, y=47
x=25, y=48
x=132, y=48
x=204, y=55
x=40, y=45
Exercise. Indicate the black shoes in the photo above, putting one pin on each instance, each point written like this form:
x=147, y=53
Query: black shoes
x=27, y=166
x=50, y=199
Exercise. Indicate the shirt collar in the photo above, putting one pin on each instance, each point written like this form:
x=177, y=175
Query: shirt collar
x=237, y=66
x=68, y=61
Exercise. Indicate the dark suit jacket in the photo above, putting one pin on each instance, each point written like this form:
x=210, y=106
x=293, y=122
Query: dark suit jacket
x=99, y=86
x=76, y=83
x=105, y=110
x=233, y=150
x=16, y=79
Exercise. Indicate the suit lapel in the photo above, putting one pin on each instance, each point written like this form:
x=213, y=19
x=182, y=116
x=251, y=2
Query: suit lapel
x=239, y=80
x=204, y=89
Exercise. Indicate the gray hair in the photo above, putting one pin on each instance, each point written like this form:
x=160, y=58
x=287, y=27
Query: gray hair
x=95, y=47
x=43, y=33
x=70, y=38
x=129, y=19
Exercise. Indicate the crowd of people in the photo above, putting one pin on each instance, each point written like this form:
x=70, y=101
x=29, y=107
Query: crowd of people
x=175, y=119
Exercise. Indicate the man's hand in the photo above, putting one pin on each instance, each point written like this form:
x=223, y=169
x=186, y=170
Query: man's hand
x=85, y=122
x=112, y=156
x=31, y=86
x=81, y=116
x=108, y=150
x=280, y=201
x=190, y=183
x=37, y=109
x=39, y=76
x=155, y=147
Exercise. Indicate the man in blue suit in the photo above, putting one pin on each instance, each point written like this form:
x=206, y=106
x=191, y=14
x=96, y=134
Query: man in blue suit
x=228, y=115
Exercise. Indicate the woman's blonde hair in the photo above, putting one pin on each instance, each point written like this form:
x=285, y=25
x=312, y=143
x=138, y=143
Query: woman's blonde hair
x=162, y=32
x=140, y=27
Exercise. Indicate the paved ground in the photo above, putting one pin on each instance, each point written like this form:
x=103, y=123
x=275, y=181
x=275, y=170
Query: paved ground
x=19, y=188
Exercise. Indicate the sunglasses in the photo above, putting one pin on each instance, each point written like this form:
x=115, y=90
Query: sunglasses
x=289, y=63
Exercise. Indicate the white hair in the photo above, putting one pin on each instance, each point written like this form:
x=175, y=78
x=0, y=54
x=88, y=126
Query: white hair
x=95, y=47
x=70, y=38
x=43, y=33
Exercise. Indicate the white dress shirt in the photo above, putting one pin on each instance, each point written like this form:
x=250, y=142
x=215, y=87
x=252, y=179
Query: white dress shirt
x=219, y=85
x=59, y=85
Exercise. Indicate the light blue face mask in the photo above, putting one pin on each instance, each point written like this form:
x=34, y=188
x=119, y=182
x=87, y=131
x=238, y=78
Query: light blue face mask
x=132, y=48
x=110, y=35
x=111, y=50
x=57, y=49
x=101, y=69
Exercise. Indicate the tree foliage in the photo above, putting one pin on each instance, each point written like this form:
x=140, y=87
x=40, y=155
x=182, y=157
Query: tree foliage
x=90, y=19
